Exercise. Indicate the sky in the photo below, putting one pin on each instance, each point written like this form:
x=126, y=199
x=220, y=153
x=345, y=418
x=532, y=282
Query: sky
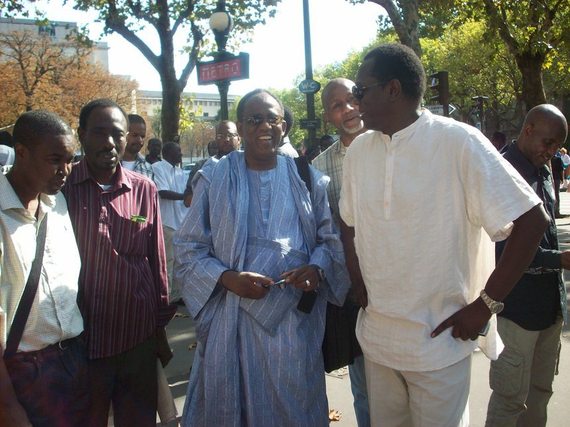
x=276, y=51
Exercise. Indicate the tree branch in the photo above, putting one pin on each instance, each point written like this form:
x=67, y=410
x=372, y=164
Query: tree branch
x=119, y=27
x=500, y=23
x=197, y=37
x=184, y=14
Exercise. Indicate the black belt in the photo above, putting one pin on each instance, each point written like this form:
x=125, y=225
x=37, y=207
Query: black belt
x=541, y=270
x=52, y=348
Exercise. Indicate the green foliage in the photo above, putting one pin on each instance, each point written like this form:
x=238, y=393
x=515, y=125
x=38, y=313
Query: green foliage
x=11, y=7
x=182, y=23
x=296, y=101
x=477, y=65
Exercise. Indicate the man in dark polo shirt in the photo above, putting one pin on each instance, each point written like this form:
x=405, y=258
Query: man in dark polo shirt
x=531, y=321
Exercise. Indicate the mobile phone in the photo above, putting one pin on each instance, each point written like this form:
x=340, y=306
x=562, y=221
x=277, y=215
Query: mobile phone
x=281, y=283
x=307, y=301
x=484, y=330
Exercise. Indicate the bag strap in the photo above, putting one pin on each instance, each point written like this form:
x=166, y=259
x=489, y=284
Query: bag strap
x=304, y=171
x=29, y=294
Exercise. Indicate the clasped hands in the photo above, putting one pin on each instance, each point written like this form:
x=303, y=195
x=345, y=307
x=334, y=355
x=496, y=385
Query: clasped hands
x=248, y=284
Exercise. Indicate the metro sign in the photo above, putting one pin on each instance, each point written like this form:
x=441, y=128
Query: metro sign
x=229, y=67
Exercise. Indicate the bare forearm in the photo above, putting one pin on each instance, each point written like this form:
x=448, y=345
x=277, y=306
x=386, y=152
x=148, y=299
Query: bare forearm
x=359, y=292
x=518, y=253
x=352, y=264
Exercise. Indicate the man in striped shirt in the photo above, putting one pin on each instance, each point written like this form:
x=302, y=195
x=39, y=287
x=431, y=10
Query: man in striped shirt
x=123, y=292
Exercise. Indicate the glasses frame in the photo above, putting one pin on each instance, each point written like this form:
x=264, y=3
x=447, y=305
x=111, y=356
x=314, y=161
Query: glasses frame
x=256, y=121
x=359, y=91
x=227, y=136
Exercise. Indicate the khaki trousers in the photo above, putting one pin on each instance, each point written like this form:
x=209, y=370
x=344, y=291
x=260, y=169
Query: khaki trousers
x=421, y=399
x=521, y=378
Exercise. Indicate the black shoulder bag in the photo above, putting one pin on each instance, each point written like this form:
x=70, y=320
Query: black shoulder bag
x=340, y=345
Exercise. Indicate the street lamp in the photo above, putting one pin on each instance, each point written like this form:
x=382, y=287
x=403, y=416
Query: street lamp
x=221, y=24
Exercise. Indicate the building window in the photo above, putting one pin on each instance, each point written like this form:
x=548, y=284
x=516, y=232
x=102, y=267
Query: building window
x=46, y=30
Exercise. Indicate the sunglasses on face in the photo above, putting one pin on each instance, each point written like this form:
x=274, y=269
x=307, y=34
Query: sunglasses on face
x=255, y=121
x=359, y=90
x=226, y=135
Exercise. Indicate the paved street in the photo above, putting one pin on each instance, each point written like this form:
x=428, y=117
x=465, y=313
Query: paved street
x=182, y=339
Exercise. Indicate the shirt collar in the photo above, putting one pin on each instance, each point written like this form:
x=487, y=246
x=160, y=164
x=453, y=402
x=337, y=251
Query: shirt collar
x=82, y=174
x=523, y=165
x=10, y=200
x=411, y=128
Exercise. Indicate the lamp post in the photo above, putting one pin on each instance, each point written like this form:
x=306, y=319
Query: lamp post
x=221, y=24
x=309, y=86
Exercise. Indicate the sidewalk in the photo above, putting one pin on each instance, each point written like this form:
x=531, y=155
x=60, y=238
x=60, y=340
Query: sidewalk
x=182, y=339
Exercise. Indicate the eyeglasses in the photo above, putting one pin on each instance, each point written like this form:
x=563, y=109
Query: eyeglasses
x=358, y=90
x=226, y=135
x=256, y=120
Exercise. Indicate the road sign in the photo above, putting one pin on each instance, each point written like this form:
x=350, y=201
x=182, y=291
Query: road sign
x=435, y=109
x=309, y=86
x=229, y=67
x=310, y=124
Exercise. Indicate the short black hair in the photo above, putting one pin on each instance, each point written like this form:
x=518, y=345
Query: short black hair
x=88, y=108
x=247, y=97
x=168, y=147
x=395, y=61
x=154, y=141
x=289, y=119
x=6, y=138
x=33, y=125
x=223, y=122
x=135, y=118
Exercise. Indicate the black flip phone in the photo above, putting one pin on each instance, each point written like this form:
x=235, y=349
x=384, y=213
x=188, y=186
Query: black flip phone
x=483, y=332
x=307, y=301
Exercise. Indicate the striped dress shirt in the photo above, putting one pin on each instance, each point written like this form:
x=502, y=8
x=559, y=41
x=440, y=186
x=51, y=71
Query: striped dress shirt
x=329, y=162
x=123, y=293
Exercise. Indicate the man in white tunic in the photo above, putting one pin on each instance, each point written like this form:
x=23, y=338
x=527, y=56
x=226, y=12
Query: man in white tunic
x=413, y=245
x=170, y=181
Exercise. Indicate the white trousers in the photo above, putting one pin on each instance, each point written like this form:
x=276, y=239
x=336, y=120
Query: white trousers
x=173, y=292
x=419, y=399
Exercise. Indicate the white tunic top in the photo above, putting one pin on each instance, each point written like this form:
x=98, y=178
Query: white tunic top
x=171, y=178
x=418, y=202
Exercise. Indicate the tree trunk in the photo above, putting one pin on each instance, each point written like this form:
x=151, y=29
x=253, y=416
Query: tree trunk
x=404, y=21
x=530, y=66
x=170, y=117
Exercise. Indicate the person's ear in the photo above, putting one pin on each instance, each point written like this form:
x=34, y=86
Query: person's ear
x=80, y=135
x=394, y=88
x=20, y=150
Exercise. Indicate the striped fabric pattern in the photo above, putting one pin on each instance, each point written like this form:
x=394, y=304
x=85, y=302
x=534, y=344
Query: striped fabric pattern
x=123, y=293
x=261, y=358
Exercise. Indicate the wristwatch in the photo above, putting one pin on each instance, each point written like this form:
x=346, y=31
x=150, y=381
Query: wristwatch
x=494, y=307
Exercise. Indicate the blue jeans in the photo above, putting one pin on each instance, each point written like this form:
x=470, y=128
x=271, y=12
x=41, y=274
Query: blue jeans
x=358, y=387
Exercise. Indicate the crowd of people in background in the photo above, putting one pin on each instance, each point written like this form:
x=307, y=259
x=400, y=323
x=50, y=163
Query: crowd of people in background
x=273, y=251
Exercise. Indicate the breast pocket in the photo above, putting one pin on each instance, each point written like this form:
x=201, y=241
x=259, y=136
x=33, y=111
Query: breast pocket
x=130, y=236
